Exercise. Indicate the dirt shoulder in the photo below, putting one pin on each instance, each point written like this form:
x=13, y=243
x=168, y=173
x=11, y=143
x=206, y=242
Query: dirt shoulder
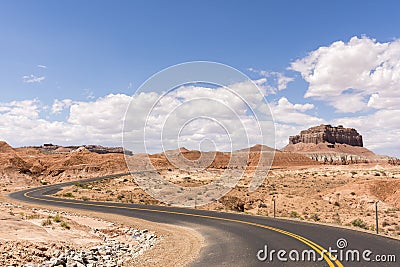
x=176, y=245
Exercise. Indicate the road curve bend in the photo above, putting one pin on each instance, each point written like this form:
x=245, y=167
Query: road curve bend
x=234, y=239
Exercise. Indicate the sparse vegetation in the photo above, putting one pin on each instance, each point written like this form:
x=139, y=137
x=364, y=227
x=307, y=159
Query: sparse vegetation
x=65, y=225
x=315, y=217
x=57, y=218
x=46, y=222
x=32, y=216
x=82, y=185
x=294, y=214
x=359, y=223
x=294, y=188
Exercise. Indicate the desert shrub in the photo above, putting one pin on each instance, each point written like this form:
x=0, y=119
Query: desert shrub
x=359, y=223
x=315, y=217
x=294, y=214
x=57, y=218
x=262, y=205
x=336, y=204
x=85, y=198
x=82, y=185
x=65, y=225
x=32, y=216
x=46, y=222
x=68, y=194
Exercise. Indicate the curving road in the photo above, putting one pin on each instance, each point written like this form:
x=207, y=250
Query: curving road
x=235, y=239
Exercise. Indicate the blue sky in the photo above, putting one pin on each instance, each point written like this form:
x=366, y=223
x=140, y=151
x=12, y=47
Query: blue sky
x=86, y=50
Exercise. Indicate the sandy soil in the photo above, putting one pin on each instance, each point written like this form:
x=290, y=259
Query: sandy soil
x=177, y=245
x=336, y=194
x=343, y=195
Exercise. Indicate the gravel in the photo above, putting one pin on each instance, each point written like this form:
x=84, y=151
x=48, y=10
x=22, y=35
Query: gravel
x=111, y=253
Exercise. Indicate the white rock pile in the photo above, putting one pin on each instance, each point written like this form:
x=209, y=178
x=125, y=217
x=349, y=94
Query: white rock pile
x=111, y=253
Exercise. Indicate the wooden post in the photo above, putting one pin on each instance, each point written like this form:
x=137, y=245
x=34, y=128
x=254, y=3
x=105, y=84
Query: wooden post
x=274, y=207
x=376, y=217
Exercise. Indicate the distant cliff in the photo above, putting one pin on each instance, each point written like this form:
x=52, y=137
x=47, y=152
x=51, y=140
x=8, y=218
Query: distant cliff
x=332, y=145
x=329, y=134
x=50, y=148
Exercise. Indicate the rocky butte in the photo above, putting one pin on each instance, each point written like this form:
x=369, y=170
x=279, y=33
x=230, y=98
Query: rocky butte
x=332, y=144
x=328, y=133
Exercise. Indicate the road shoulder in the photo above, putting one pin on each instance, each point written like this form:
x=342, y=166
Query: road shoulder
x=178, y=246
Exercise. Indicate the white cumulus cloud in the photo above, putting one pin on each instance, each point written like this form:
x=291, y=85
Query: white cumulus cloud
x=354, y=76
x=359, y=75
x=60, y=105
x=287, y=112
x=277, y=81
x=183, y=114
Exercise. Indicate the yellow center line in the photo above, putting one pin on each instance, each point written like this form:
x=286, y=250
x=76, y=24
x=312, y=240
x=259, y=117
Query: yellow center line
x=319, y=249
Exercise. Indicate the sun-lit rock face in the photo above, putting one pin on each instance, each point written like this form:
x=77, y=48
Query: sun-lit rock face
x=329, y=134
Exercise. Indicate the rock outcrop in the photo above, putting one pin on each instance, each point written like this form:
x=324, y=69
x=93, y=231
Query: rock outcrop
x=332, y=145
x=50, y=148
x=329, y=134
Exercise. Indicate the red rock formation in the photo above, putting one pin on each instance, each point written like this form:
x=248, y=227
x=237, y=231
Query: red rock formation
x=328, y=133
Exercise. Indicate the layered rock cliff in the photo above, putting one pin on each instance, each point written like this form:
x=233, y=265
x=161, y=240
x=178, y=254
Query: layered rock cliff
x=332, y=145
x=50, y=148
x=329, y=134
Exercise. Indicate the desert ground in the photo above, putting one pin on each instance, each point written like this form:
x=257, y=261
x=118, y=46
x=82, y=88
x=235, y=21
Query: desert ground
x=35, y=235
x=338, y=195
x=304, y=189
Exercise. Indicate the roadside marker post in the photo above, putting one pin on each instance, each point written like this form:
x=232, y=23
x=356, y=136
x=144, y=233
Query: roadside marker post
x=376, y=217
x=274, y=207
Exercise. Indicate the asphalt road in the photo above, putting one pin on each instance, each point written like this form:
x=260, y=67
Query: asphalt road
x=234, y=239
